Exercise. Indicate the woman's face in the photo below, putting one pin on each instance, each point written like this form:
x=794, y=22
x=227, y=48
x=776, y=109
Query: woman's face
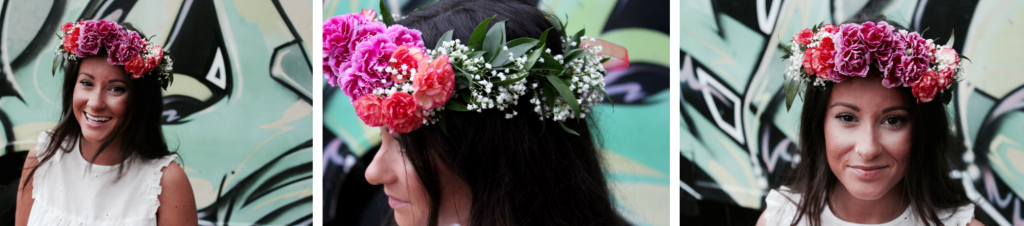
x=867, y=136
x=100, y=97
x=405, y=192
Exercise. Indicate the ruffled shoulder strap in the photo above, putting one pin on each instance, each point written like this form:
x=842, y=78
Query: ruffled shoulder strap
x=38, y=184
x=780, y=206
x=154, y=171
x=960, y=216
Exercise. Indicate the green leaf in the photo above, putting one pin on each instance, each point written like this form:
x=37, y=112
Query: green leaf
x=566, y=94
x=609, y=98
x=543, y=40
x=952, y=38
x=572, y=55
x=549, y=64
x=605, y=59
x=493, y=41
x=567, y=129
x=56, y=60
x=455, y=105
x=510, y=81
x=575, y=38
x=447, y=36
x=791, y=88
x=475, y=40
x=385, y=13
x=965, y=58
x=475, y=54
x=517, y=47
x=532, y=59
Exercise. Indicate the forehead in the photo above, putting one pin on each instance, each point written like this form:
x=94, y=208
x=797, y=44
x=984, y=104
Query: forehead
x=867, y=92
x=98, y=67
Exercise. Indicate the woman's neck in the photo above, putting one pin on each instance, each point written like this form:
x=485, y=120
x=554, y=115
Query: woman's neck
x=854, y=210
x=111, y=154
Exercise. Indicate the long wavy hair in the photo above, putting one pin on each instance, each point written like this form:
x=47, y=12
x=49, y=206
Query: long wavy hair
x=520, y=171
x=141, y=134
x=927, y=173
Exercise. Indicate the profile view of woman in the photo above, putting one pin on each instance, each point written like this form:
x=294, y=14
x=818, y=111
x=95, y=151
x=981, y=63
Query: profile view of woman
x=476, y=132
x=874, y=131
x=106, y=161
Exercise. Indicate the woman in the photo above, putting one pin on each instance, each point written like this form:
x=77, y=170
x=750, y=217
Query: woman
x=874, y=139
x=106, y=161
x=488, y=164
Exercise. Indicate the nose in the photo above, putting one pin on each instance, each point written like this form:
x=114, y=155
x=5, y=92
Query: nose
x=97, y=102
x=379, y=172
x=867, y=145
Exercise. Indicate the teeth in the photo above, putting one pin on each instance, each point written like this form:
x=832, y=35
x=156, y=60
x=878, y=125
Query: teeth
x=97, y=119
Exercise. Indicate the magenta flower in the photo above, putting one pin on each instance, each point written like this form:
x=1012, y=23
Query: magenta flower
x=852, y=56
x=878, y=39
x=127, y=46
x=366, y=68
x=96, y=34
x=366, y=31
x=402, y=36
x=338, y=34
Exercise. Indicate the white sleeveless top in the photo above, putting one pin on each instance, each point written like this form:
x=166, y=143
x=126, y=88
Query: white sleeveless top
x=67, y=191
x=780, y=211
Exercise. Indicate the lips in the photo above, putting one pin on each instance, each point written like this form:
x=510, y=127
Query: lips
x=868, y=172
x=396, y=203
x=95, y=121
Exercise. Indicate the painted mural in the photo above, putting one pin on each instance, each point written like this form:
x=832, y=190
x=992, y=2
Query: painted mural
x=737, y=140
x=239, y=111
x=635, y=131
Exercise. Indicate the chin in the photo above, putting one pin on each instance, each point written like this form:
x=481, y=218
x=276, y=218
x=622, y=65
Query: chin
x=867, y=190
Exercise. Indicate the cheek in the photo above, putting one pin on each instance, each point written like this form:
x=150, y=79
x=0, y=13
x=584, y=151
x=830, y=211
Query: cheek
x=837, y=143
x=898, y=145
x=118, y=105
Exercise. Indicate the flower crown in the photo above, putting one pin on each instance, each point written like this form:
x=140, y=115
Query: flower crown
x=138, y=55
x=392, y=80
x=829, y=53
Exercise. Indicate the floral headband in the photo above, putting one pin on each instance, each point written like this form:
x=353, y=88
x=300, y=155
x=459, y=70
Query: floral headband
x=138, y=55
x=830, y=53
x=394, y=81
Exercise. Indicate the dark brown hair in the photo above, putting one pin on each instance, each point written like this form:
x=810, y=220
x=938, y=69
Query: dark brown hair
x=927, y=173
x=142, y=132
x=520, y=171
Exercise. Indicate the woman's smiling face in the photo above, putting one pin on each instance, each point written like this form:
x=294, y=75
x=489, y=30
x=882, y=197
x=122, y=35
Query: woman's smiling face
x=100, y=97
x=868, y=134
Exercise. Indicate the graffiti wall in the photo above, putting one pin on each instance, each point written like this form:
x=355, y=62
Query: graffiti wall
x=635, y=135
x=737, y=140
x=238, y=112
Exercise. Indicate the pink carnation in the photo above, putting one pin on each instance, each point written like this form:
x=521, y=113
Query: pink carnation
x=127, y=46
x=878, y=39
x=402, y=36
x=926, y=88
x=370, y=109
x=915, y=61
x=366, y=70
x=338, y=34
x=852, y=57
x=369, y=29
x=434, y=83
x=891, y=69
x=803, y=37
x=405, y=59
x=402, y=113
x=829, y=28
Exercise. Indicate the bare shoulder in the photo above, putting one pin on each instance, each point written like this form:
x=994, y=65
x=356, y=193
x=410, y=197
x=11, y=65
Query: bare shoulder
x=177, y=202
x=975, y=222
x=762, y=221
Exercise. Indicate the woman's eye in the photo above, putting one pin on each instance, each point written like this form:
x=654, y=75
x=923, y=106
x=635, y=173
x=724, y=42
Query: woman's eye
x=894, y=121
x=118, y=89
x=846, y=118
x=85, y=83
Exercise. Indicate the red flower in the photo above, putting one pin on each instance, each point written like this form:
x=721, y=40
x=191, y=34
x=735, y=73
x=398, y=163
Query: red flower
x=927, y=86
x=67, y=27
x=808, y=57
x=434, y=83
x=139, y=66
x=70, y=41
x=829, y=28
x=369, y=14
x=405, y=59
x=370, y=109
x=402, y=113
x=803, y=37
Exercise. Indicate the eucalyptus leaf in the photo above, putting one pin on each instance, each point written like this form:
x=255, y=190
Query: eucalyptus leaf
x=517, y=47
x=572, y=55
x=790, y=87
x=475, y=54
x=494, y=40
x=477, y=38
x=532, y=59
x=447, y=36
x=575, y=38
x=566, y=94
x=385, y=13
x=543, y=39
x=549, y=64
x=567, y=129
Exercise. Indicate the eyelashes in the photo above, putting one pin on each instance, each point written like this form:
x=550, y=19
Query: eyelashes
x=894, y=121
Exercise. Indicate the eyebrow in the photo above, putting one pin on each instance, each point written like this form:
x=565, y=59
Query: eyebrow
x=893, y=108
x=855, y=108
x=111, y=80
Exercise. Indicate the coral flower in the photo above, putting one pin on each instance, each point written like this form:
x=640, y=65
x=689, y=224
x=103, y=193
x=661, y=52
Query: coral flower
x=434, y=83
